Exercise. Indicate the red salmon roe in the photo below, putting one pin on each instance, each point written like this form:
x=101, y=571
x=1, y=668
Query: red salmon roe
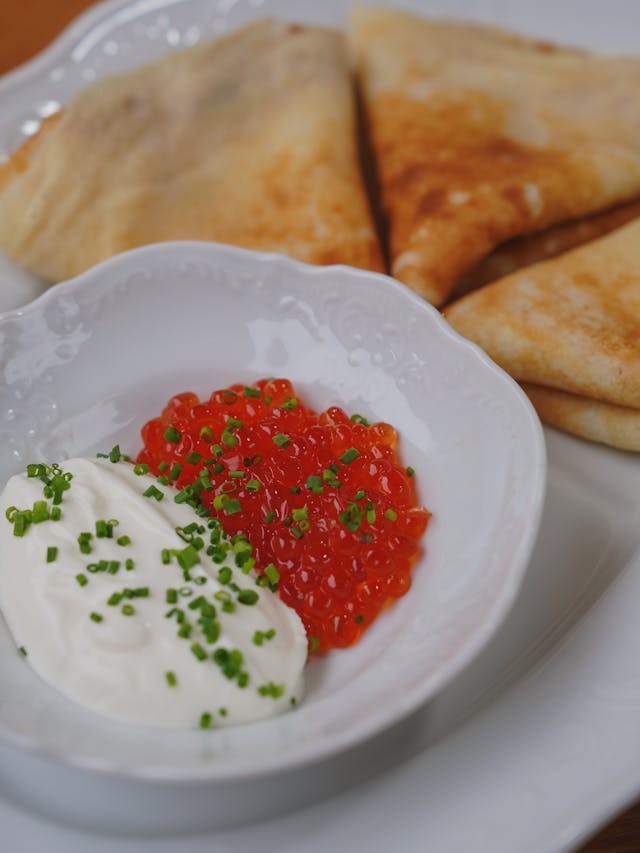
x=323, y=499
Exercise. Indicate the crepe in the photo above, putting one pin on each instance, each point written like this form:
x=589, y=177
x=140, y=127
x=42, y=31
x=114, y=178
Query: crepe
x=481, y=136
x=532, y=248
x=571, y=323
x=248, y=140
x=605, y=423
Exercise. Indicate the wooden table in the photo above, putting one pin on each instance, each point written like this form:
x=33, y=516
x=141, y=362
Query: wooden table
x=26, y=26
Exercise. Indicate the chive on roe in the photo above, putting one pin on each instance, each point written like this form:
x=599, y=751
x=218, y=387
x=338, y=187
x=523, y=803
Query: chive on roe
x=348, y=551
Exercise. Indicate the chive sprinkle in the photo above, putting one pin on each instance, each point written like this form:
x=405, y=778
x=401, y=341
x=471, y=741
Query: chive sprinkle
x=251, y=392
x=171, y=678
x=153, y=492
x=23, y=651
x=391, y=514
x=52, y=553
x=410, y=471
x=248, y=596
x=359, y=419
x=205, y=720
x=281, y=440
x=172, y=434
x=140, y=468
x=96, y=617
x=194, y=457
x=349, y=455
x=127, y=610
x=123, y=540
x=83, y=580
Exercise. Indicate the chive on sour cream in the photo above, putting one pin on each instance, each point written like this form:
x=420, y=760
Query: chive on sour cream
x=135, y=606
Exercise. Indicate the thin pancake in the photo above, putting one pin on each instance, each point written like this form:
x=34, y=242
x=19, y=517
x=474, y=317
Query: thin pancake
x=248, y=140
x=571, y=323
x=481, y=136
x=533, y=248
x=617, y=426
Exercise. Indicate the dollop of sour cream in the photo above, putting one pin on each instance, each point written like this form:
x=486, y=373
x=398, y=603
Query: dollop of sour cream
x=135, y=606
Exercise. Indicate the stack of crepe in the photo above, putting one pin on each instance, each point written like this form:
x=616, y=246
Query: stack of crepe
x=491, y=153
x=481, y=137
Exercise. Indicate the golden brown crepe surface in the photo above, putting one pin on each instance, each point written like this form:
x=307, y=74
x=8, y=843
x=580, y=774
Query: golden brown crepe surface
x=605, y=423
x=248, y=140
x=481, y=136
x=571, y=323
x=533, y=248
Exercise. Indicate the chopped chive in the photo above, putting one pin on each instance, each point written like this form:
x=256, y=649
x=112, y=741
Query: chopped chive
x=194, y=457
x=272, y=573
x=153, y=492
x=114, y=454
x=275, y=691
x=269, y=517
x=175, y=471
x=224, y=575
x=295, y=490
x=188, y=557
x=314, y=484
x=391, y=514
x=84, y=541
x=23, y=651
x=232, y=506
x=127, y=610
x=206, y=434
x=114, y=599
x=248, y=596
x=228, y=397
x=228, y=439
x=123, y=540
x=172, y=434
x=253, y=485
x=96, y=617
x=267, y=399
x=223, y=712
x=165, y=556
x=237, y=475
x=83, y=580
x=349, y=455
x=300, y=513
x=163, y=466
x=56, y=513
x=171, y=596
x=410, y=471
x=371, y=516
x=297, y=532
x=251, y=392
x=171, y=678
x=198, y=651
x=314, y=644
x=141, y=468
x=359, y=618
x=289, y=404
x=281, y=440
x=52, y=553
x=359, y=496
x=129, y=564
x=205, y=720
x=359, y=419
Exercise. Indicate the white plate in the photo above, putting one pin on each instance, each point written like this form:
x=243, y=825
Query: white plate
x=555, y=750
x=90, y=361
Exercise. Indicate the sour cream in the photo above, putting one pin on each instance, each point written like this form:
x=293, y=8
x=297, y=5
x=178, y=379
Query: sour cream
x=145, y=627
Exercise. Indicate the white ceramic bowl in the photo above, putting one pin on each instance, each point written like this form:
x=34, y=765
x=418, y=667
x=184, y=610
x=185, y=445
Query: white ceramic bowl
x=87, y=363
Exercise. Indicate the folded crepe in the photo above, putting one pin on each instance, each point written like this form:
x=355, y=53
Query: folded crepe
x=571, y=323
x=249, y=140
x=532, y=248
x=481, y=136
x=605, y=423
